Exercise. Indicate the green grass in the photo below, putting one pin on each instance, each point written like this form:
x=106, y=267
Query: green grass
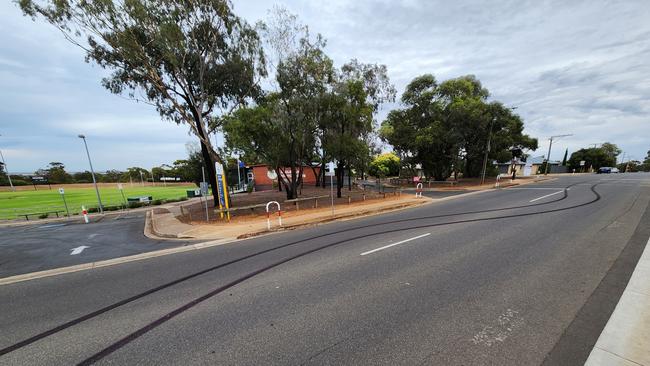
x=15, y=203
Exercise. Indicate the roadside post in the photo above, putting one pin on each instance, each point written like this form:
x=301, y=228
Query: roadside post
x=204, y=193
x=330, y=172
x=268, y=214
x=221, y=188
x=62, y=193
x=121, y=188
x=498, y=182
x=85, y=213
x=418, y=190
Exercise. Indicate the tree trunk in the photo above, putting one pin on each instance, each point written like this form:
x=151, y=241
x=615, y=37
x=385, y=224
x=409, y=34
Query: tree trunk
x=210, y=169
x=339, y=178
x=349, y=179
x=317, y=176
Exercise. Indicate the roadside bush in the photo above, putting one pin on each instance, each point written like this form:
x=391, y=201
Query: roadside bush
x=93, y=209
x=43, y=216
x=156, y=202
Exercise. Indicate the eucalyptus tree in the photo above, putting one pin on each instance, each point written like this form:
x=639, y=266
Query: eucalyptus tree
x=191, y=60
x=440, y=124
x=355, y=96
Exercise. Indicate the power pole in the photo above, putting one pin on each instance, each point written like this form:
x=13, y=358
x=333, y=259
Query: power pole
x=487, y=151
x=550, y=145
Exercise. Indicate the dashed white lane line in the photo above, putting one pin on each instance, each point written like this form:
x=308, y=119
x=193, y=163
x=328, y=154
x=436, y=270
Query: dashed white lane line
x=548, y=195
x=394, y=244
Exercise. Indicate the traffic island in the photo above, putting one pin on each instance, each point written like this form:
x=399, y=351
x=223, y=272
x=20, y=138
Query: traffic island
x=171, y=225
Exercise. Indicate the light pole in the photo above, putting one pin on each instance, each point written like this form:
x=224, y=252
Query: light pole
x=4, y=164
x=92, y=172
x=550, y=145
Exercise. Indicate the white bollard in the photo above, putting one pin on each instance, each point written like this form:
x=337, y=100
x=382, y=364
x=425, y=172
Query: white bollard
x=85, y=213
x=268, y=214
x=418, y=190
x=498, y=183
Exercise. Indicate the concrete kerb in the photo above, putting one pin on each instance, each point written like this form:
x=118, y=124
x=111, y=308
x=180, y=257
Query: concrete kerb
x=202, y=245
x=625, y=340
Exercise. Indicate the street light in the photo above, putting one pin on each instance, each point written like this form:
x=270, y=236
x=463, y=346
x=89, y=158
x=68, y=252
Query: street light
x=92, y=172
x=4, y=164
x=550, y=145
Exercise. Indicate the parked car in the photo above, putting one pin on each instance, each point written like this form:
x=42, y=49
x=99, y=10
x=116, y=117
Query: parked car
x=606, y=170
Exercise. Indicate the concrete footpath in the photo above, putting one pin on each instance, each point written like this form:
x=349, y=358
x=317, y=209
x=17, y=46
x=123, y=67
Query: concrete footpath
x=626, y=337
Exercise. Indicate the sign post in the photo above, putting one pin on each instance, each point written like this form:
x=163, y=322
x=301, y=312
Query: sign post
x=204, y=193
x=62, y=193
x=330, y=172
x=222, y=189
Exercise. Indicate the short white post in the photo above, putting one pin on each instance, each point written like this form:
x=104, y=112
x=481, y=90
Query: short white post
x=498, y=183
x=418, y=190
x=85, y=213
x=268, y=214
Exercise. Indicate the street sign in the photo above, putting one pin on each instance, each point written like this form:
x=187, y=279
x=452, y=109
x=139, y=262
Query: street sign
x=61, y=191
x=582, y=163
x=204, y=188
x=330, y=169
x=221, y=188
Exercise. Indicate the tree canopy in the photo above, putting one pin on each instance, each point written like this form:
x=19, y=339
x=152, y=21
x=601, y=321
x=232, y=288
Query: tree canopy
x=595, y=157
x=191, y=60
x=445, y=127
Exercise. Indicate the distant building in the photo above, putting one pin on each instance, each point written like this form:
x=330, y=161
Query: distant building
x=266, y=178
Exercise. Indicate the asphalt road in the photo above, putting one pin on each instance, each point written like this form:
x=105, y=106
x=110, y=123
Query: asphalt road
x=42, y=246
x=496, y=278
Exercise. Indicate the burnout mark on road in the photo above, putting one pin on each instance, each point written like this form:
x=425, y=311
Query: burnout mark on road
x=500, y=331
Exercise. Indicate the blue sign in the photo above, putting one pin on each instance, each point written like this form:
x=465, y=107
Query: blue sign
x=220, y=186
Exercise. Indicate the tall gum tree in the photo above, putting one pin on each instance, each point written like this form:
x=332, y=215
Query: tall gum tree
x=191, y=60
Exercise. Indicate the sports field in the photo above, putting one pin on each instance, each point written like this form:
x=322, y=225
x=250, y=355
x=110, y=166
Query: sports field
x=13, y=204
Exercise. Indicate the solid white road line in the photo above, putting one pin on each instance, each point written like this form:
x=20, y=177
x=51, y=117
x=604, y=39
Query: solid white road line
x=548, y=195
x=545, y=188
x=394, y=244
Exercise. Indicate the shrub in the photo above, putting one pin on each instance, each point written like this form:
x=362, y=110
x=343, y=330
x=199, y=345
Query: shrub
x=43, y=216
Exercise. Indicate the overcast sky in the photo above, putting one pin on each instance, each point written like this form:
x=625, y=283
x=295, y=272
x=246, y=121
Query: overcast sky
x=579, y=67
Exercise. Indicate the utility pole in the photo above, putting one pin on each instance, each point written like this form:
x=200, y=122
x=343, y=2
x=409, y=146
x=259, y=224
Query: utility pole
x=4, y=164
x=550, y=145
x=487, y=151
x=488, y=147
x=92, y=172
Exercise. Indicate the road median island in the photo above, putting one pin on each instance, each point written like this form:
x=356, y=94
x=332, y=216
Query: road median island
x=168, y=225
x=249, y=217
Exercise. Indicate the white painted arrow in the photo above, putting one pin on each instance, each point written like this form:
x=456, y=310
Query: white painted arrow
x=78, y=250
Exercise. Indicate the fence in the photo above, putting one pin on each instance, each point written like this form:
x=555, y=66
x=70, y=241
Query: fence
x=195, y=212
